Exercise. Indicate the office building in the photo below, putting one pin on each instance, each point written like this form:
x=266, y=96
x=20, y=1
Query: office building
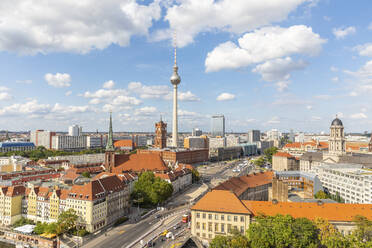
x=42, y=138
x=218, y=126
x=283, y=161
x=10, y=146
x=254, y=136
x=350, y=181
x=75, y=130
x=69, y=143
x=194, y=142
x=96, y=142
x=196, y=132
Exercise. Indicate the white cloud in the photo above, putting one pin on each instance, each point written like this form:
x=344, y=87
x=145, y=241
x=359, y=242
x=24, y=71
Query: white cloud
x=60, y=109
x=323, y=97
x=278, y=69
x=225, y=97
x=316, y=118
x=149, y=92
x=335, y=79
x=119, y=100
x=191, y=17
x=58, y=80
x=358, y=116
x=309, y=107
x=5, y=96
x=264, y=44
x=274, y=120
x=364, y=50
x=109, y=84
x=341, y=32
x=282, y=85
x=186, y=113
x=104, y=93
x=353, y=93
x=364, y=74
x=187, y=97
x=334, y=69
x=24, y=81
x=147, y=110
x=30, y=27
x=370, y=26
x=68, y=93
x=95, y=101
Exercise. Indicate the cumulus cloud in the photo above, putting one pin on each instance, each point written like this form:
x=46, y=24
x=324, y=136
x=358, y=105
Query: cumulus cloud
x=323, y=97
x=342, y=32
x=109, y=84
x=364, y=74
x=58, y=80
x=364, y=50
x=30, y=27
x=309, y=107
x=335, y=79
x=278, y=69
x=282, y=85
x=334, y=69
x=358, y=116
x=191, y=17
x=160, y=92
x=4, y=94
x=147, y=110
x=105, y=93
x=68, y=93
x=264, y=44
x=225, y=97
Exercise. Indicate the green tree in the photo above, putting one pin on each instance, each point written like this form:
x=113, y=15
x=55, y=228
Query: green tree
x=66, y=221
x=40, y=228
x=282, y=232
x=220, y=242
x=363, y=231
x=269, y=152
x=195, y=175
x=259, y=161
x=321, y=195
x=86, y=174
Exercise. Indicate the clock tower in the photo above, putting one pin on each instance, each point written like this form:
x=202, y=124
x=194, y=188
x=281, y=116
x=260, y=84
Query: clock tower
x=161, y=134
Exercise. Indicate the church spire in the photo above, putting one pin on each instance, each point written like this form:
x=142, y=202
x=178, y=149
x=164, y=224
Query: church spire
x=110, y=141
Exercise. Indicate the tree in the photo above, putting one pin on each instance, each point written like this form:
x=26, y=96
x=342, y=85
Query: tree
x=40, y=228
x=269, y=152
x=282, y=232
x=66, y=221
x=235, y=240
x=259, y=161
x=195, y=175
x=150, y=190
x=321, y=195
x=220, y=242
x=363, y=231
x=86, y=174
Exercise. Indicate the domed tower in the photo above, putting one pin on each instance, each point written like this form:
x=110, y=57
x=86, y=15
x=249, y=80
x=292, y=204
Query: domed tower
x=337, y=143
x=175, y=80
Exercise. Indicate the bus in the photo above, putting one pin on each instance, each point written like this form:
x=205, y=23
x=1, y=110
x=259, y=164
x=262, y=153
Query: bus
x=186, y=218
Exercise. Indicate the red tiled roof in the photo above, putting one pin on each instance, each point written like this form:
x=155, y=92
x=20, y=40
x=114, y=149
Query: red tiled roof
x=311, y=210
x=124, y=143
x=139, y=162
x=283, y=154
x=239, y=185
x=221, y=201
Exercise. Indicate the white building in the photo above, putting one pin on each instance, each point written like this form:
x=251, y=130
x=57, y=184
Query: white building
x=350, y=181
x=82, y=159
x=273, y=134
x=217, y=142
x=69, y=142
x=75, y=130
x=42, y=138
x=232, y=140
x=96, y=142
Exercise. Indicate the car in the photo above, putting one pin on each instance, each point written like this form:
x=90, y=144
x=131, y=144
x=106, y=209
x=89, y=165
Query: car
x=157, y=216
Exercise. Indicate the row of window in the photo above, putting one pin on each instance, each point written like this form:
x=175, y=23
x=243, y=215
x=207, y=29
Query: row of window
x=221, y=216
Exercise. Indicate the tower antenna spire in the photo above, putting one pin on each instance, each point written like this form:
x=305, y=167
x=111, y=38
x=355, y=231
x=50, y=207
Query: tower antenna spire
x=175, y=47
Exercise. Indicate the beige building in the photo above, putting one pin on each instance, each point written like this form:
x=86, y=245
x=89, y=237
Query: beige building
x=10, y=204
x=283, y=161
x=220, y=211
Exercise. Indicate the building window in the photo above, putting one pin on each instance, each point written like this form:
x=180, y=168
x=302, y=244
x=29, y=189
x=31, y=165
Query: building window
x=210, y=227
x=229, y=217
x=198, y=234
x=197, y=215
x=210, y=236
x=209, y=216
x=204, y=215
x=216, y=216
x=203, y=226
x=228, y=228
x=241, y=218
x=197, y=225
x=222, y=217
x=216, y=227
x=242, y=229
x=223, y=228
x=235, y=218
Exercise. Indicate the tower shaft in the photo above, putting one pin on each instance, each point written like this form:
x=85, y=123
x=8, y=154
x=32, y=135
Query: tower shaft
x=175, y=118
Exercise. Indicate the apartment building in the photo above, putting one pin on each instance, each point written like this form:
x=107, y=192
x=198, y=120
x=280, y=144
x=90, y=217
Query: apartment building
x=350, y=181
x=10, y=204
x=69, y=143
x=42, y=138
x=283, y=161
x=221, y=211
x=12, y=163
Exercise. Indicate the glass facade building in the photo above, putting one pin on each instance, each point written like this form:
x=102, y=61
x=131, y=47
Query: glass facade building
x=218, y=126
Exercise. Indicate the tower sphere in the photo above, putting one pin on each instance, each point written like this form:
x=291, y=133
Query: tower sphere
x=175, y=78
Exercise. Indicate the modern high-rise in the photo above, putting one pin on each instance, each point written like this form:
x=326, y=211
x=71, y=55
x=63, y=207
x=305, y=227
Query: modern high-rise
x=218, y=126
x=175, y=80
x=196, y=132
x=254, y=136
x=42, y=138
x=75, y=130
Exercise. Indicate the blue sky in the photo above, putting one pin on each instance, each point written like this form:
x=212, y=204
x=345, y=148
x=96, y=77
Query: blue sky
x=286, y=64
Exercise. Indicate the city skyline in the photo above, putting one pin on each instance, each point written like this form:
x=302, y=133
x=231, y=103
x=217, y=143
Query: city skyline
x=54, y=78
